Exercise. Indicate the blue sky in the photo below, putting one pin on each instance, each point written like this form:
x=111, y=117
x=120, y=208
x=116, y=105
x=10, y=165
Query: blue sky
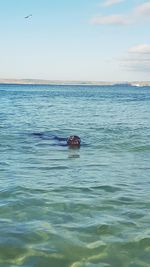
x=94, y=40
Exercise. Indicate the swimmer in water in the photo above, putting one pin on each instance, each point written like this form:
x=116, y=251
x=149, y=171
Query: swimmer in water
x=72, y=141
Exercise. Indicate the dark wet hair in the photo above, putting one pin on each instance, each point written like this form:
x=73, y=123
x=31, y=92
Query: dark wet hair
x=74, y=141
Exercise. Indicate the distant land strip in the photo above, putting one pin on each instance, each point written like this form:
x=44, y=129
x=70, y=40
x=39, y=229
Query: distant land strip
x=60, y=82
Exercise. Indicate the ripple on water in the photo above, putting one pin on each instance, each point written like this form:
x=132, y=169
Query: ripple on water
x=107, y=188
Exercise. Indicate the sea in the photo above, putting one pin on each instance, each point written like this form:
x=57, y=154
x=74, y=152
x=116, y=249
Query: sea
x=74, y=207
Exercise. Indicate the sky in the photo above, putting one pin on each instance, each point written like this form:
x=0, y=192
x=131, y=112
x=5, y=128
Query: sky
x=80, y=40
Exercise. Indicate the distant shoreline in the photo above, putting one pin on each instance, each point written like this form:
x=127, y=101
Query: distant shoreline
x=56, y=82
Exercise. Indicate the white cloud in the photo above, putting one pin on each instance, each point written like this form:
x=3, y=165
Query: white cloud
x=108, y=3
x=139, y=14
x=137, y=58
x=143, y=10
x=112, y=19
x=140, y=49
x=136, y=65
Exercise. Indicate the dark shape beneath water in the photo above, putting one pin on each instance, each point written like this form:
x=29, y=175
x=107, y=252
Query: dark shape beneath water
x=72, y=141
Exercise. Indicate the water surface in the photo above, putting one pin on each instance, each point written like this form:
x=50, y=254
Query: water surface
x=86, y=207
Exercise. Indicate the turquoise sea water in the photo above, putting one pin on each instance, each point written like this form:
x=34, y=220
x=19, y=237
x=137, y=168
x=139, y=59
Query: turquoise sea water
x=87, y=207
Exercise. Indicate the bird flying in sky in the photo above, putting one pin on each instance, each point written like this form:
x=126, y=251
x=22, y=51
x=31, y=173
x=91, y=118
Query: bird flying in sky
x=27, y=17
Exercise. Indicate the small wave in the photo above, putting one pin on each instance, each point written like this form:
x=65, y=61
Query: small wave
x=144, y=148
x=107, y=188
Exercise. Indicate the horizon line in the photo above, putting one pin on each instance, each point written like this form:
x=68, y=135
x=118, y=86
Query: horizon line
x=67, y=82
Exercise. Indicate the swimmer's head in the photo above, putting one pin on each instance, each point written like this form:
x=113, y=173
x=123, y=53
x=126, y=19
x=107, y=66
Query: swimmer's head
x=74, y=141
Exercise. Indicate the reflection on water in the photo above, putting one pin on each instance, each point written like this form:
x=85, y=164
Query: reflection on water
x=86, y=207
x=74, y=152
